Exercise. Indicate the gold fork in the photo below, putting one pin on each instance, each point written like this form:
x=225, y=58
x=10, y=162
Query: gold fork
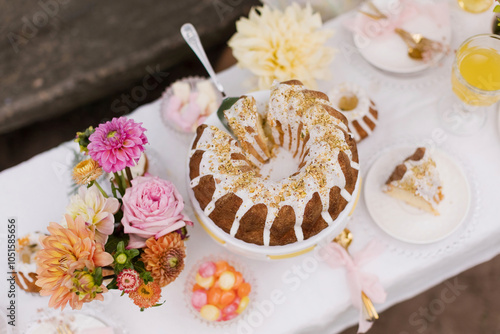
x=344, y=239
x=64, y=329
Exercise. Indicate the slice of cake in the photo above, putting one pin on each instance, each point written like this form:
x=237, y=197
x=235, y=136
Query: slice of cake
x=246, y=124
x=416, y=181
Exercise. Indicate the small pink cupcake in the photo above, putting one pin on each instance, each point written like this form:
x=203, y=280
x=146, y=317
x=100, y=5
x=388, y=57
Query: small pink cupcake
x=188, y=102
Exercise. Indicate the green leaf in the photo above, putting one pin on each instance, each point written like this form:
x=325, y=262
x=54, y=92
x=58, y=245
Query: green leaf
x=497, y=9
x=139, y=266
x=112, y=243
x=119, y=214
x=225, y=105
x=134, y=252
x=112, y=284
x=120, y=248
x=159, y=304
x=146, y=277
x=98, y=276
x=144, y=274
x=113, y=189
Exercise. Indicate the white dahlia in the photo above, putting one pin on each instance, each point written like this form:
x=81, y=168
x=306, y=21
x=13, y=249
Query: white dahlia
x=276, y=45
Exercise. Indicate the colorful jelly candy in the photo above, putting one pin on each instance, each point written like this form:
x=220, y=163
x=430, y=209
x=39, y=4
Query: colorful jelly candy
x=231, y=308
x=199, y=299
x=243, y=304
x=220, y=292
x=210, y=312
x=244, y=289
x=238, y=279
x=214, y=295
x=227, y=298
x=220, y=266
x=226, y=280
x=207, y=269
x=229, y=316
x=204, y=282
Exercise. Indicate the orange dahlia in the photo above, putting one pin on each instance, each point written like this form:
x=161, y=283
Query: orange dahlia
x=67, y=263
x=146, y=295
x=164, y=257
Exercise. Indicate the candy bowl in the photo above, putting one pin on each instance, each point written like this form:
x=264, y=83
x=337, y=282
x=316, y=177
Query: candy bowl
x=219, y=291
x=187, y=103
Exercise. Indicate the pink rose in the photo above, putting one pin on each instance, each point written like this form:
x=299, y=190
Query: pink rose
x=152, y=207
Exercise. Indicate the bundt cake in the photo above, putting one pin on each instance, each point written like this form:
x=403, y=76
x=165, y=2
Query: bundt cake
x=416, y=181
x=360, y=110
x=229, y=188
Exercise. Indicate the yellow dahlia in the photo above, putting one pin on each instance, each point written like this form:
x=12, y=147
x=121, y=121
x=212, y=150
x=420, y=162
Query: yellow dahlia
x=146, y=295
x=276, y=45
x=67, y=263
x=86, y=171
x=164, y=257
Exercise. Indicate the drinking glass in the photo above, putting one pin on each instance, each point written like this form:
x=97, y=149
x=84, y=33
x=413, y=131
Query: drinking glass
x=475, y=81
x=475, y=6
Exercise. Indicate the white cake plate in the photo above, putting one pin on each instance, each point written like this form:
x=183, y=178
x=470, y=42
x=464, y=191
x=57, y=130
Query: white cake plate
x=407, y=223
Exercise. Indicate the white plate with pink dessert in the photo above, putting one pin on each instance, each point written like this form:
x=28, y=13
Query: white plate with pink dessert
x=410, y=224
x=382, y=47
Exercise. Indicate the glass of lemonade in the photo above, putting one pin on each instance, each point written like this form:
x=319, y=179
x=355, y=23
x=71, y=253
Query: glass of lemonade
x=475, y=81
x=475, y=6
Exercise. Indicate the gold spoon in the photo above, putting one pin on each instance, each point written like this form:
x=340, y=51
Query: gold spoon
x=414, y=43
x=344, y=239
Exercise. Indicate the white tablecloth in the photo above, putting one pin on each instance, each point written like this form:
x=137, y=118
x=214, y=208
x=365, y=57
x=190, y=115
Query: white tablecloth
x=315, y=297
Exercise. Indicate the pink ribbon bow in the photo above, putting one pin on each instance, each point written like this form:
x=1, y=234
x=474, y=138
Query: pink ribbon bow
x=402, y=11
x=359, y=280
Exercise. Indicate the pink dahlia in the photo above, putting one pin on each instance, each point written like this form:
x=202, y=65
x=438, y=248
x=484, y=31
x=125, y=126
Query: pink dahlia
x=117, y=144
x=128, y=280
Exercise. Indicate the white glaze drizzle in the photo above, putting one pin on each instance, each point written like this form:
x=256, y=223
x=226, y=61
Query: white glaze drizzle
x=357, y=114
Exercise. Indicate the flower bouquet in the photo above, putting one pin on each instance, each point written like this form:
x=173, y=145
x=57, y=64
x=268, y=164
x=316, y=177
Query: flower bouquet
x=129, y=238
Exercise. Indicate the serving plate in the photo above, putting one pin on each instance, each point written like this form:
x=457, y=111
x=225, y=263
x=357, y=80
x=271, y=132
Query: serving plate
x=406, y=223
